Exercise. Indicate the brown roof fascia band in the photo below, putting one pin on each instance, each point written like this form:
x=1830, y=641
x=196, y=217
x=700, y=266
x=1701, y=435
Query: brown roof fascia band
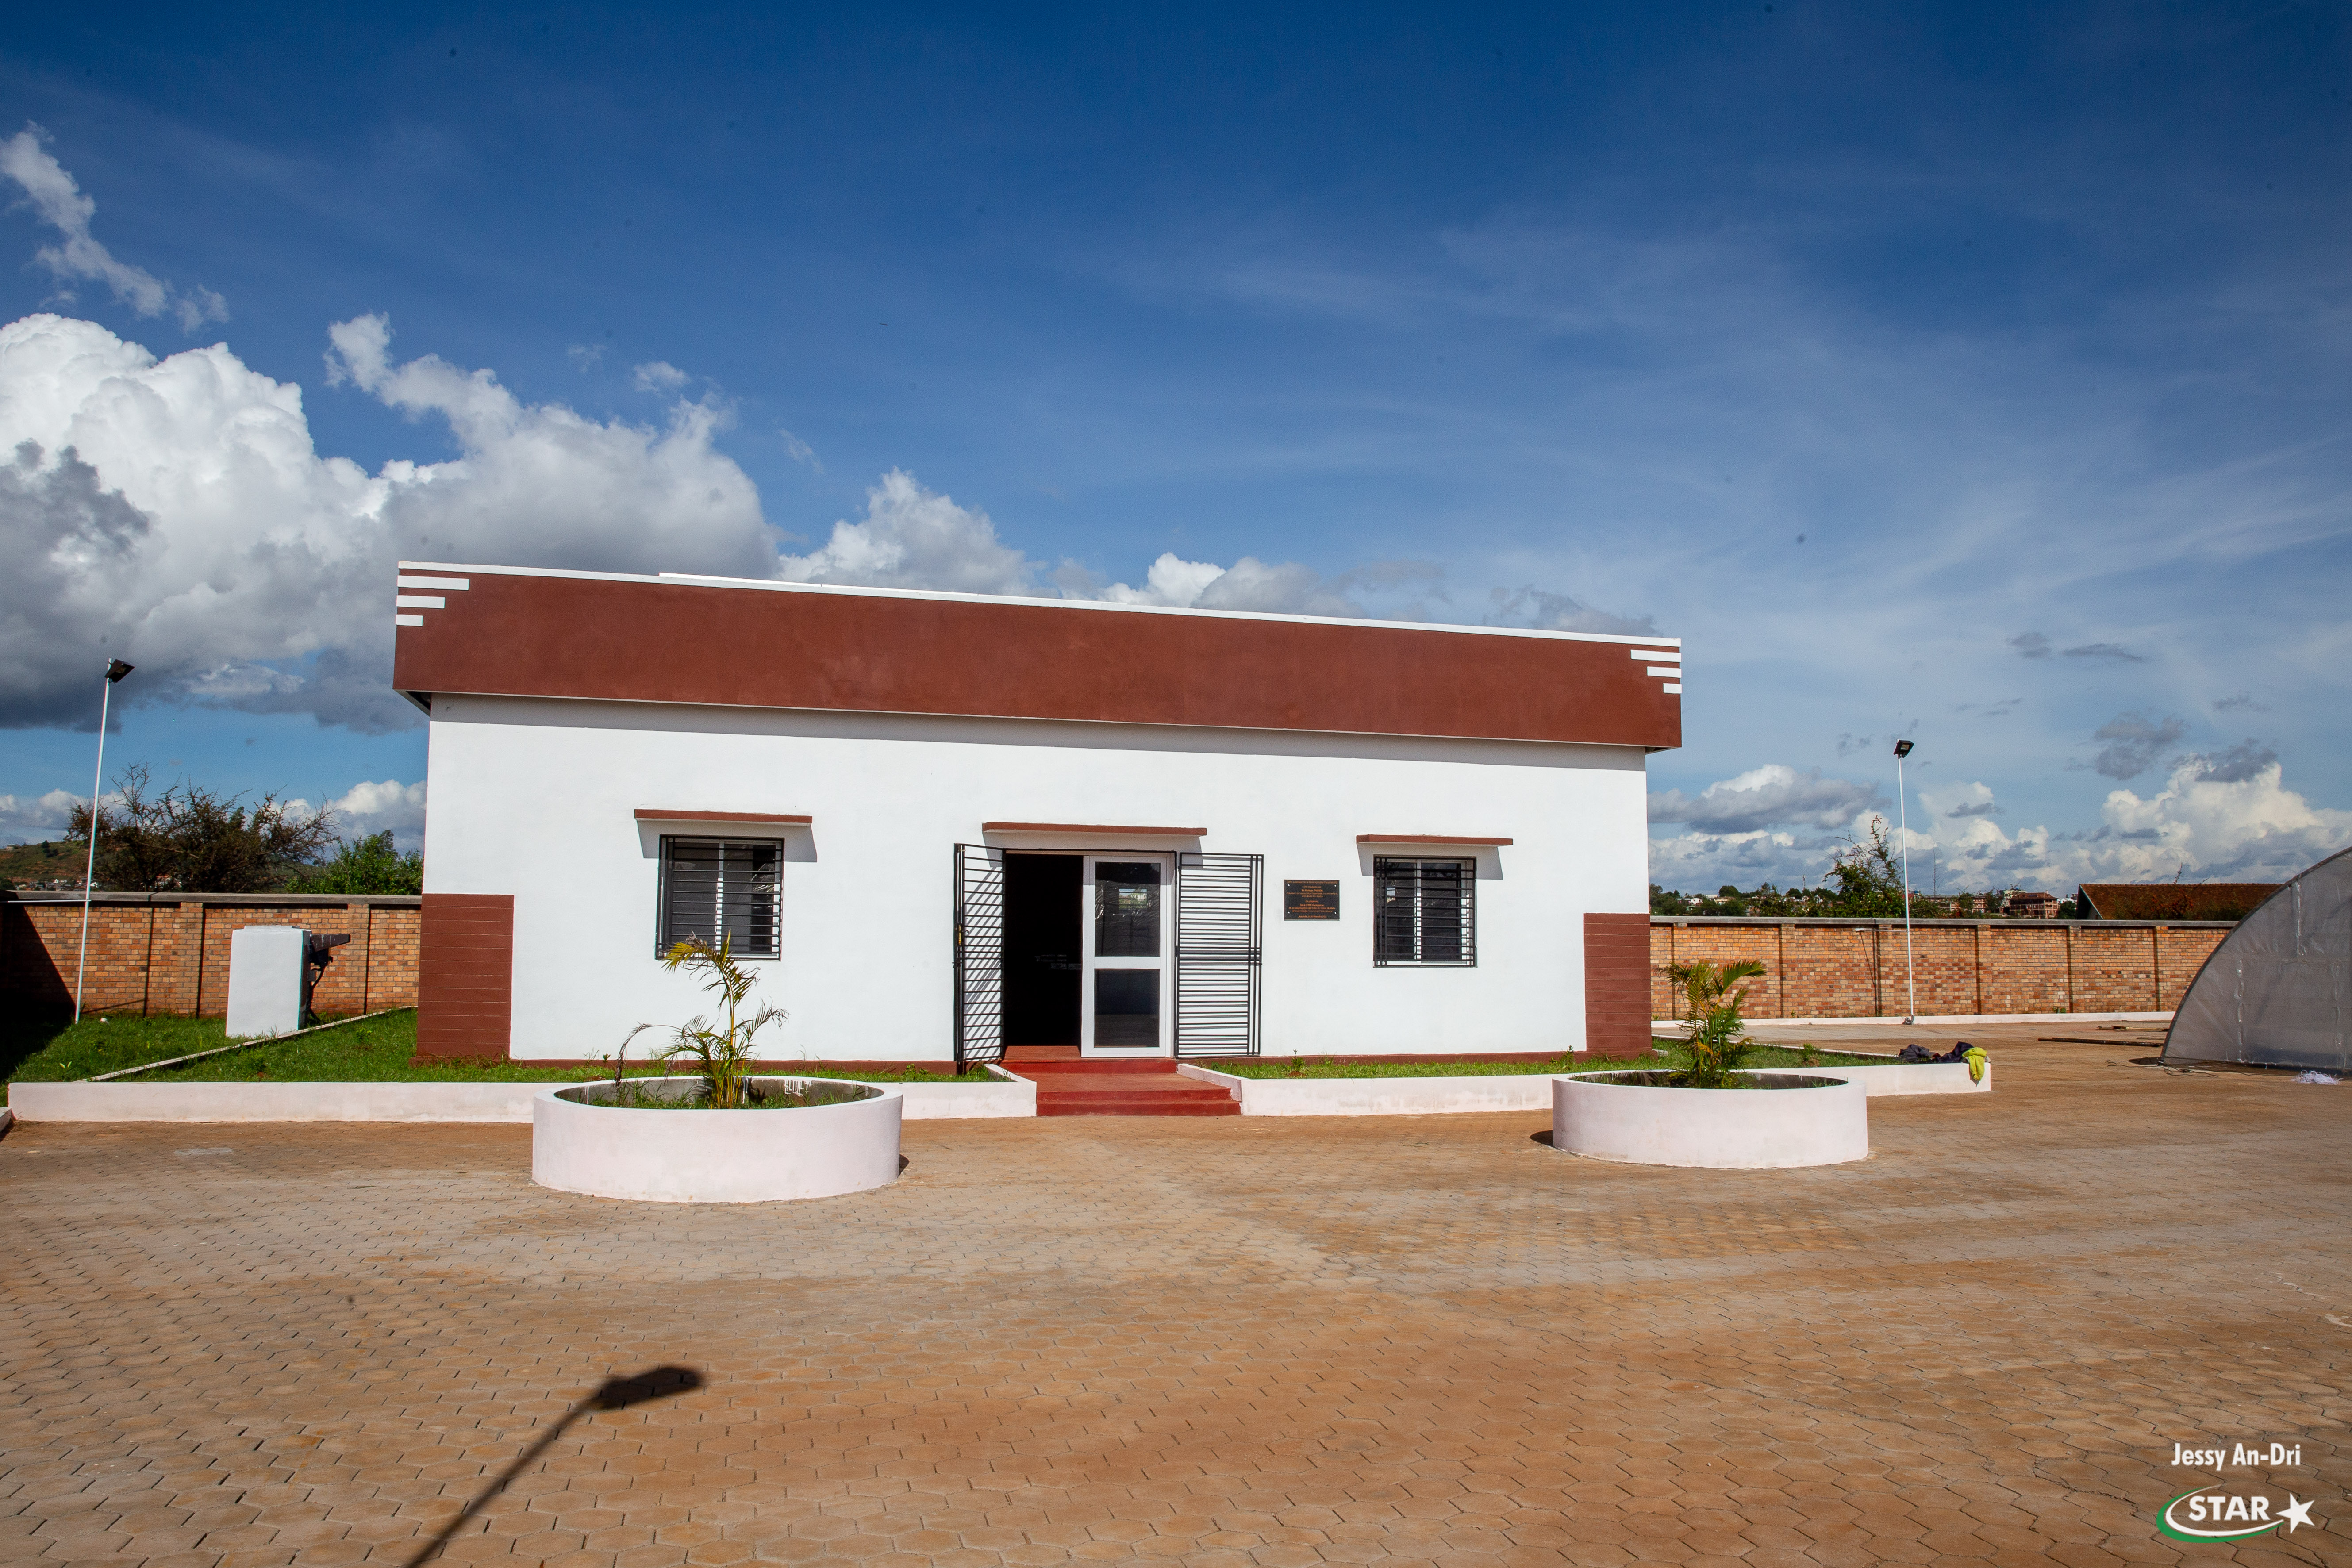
x=647, y=815
x=1090, y=828
x=1426, y=838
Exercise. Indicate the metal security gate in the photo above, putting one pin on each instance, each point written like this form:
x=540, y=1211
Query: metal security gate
x=979, y=954
x=1218, y=958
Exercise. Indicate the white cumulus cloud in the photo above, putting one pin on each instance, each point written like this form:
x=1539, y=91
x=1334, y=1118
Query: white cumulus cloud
x=1770, y=796
x=60, y=204
x=1172, y=580
x=1960, y=801
x=176, y=513
x=1249, y=584
x=35, y=819
x=371, y=808
x=915, y=538
x=537, y=484
x=2223, y=817
x=2220, y=821
x=1701, y=862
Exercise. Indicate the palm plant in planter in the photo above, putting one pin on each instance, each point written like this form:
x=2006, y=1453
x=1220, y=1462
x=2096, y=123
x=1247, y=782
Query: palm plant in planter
x=1718, y=1039
x=723, y=1055
x=600, y=1141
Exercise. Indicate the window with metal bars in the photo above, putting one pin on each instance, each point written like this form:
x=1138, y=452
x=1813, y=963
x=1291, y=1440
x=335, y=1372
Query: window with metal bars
x=1425, y=911
x=715, y=888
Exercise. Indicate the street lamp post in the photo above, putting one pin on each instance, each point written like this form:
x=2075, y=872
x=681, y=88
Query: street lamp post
x=1903, y=821
x=115, y=671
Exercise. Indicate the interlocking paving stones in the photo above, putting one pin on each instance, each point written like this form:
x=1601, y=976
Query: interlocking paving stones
x=1266, y=1343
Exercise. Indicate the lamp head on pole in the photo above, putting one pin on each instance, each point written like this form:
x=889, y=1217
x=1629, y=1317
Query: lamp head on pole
x=116, y=669
x=1902, y=748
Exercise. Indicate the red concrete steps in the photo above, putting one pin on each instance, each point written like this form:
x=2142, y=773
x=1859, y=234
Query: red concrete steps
x=1153, y=1088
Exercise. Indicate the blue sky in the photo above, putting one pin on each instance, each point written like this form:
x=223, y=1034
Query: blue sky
x=1967, y=373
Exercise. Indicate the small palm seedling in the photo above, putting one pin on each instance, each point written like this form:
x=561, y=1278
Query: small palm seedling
x=1718, y=1037
x=723, y=1055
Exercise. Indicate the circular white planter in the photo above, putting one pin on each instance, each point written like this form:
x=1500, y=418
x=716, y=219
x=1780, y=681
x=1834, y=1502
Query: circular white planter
x=716, y=1156
x=1825, y=1123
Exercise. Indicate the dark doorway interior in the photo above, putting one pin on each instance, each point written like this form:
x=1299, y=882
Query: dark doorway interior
x=1042, y=942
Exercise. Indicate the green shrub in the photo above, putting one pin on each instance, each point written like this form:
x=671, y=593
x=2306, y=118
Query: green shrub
x=369, y=865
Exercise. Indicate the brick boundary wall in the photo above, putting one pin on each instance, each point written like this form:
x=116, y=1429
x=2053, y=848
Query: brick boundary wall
x=168, y=953
x=1854, y=969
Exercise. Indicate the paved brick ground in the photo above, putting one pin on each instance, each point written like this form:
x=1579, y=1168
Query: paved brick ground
x=1275, y=1343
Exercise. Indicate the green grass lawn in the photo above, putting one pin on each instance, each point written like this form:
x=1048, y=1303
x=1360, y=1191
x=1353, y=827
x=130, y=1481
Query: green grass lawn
x=374, y=1051
x=1676, y=1057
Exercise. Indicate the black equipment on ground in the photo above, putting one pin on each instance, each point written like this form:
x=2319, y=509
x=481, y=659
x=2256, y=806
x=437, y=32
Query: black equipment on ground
x=318, y=952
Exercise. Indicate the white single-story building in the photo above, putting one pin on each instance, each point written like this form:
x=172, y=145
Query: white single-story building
x=945, y=825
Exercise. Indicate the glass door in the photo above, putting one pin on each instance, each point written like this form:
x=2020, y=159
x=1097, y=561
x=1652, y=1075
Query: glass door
x=1125, y=1008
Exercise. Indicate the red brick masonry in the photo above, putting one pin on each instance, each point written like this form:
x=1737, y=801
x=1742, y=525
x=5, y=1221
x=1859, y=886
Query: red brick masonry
x=168, y=953
x=1854, y=969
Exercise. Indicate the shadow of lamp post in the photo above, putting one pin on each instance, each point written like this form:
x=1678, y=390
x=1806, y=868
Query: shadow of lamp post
x=615, y=1394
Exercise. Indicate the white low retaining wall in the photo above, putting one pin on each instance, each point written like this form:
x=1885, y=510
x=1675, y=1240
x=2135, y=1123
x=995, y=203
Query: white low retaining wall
x=1903, y=1077
x=407, y=1102
x=956, y=1101
x=1379, y=1096
x=272, y=1101
x=1520, y=1091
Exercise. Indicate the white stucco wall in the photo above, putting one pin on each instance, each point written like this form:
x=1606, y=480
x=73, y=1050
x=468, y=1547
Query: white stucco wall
x=535, y=798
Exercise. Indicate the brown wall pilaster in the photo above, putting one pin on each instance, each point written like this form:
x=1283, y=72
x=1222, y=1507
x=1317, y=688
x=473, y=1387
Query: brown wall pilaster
x=465, y=989
x=1617, y=985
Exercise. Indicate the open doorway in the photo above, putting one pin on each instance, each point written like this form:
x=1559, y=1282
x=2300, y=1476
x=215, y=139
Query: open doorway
x=1044, y=946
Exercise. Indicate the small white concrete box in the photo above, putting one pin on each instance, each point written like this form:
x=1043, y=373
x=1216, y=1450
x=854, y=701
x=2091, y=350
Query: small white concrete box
x=265, y=980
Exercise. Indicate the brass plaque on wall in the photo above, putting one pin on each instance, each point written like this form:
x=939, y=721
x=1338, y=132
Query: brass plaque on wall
x=1310, y=900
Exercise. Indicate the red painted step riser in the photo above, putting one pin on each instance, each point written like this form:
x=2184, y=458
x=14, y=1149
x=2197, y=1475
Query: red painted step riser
x=1227, y=1110
x=1121, y=1091
x=1136, y=1107
x=1137, y=1102
x=1133, y=1086
x=1055, y=1091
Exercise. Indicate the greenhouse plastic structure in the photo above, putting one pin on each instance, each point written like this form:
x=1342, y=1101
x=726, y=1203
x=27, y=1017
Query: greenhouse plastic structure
x=2278, y=991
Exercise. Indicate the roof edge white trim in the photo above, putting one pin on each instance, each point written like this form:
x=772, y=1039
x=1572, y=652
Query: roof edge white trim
x=764, y=585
